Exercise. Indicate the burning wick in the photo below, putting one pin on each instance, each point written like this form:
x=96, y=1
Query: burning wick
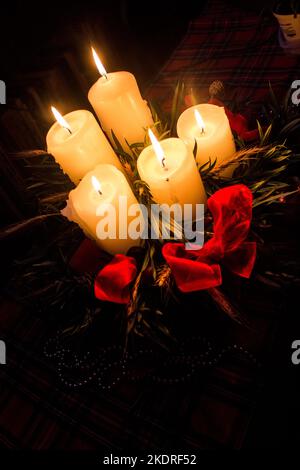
x=199, y=121
x=99, y=64
x=158, y=150
x=61, y=121
x=96, y=185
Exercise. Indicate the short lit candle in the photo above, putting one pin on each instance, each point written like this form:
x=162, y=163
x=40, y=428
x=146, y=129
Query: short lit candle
x=100, y=188
x=119, y=106
x=208, y=125
x=78, y=144
x=169, y=168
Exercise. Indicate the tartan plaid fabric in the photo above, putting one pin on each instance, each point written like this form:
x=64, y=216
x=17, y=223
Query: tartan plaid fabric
x=37, y=412
x=240, y=48
x=213, y=411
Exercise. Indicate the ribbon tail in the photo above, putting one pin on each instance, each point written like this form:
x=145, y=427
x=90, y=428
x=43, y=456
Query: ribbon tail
x=113, y=281
x=241, y=261
x=224, y=304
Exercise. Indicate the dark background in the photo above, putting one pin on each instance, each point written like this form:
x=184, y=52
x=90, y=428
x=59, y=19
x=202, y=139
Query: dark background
x=129, y=34
x=45, y=55
x=133, y=35
x=45, y=59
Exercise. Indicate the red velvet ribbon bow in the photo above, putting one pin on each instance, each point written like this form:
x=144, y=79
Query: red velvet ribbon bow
x=113, y=281
x=238, y=123
x=195, y=270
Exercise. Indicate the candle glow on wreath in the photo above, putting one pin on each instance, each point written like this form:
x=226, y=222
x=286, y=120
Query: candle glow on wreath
x=96, y=185
x=99, y=64
x=61, y=121
x=158, y=149
x=199, y=121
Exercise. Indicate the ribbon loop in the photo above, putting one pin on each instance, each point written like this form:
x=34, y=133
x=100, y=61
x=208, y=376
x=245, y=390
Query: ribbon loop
x=231, y=209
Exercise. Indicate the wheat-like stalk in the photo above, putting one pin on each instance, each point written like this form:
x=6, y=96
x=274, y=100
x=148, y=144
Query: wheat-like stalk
x=163, y=276
x=131, y=307
x=243, y=155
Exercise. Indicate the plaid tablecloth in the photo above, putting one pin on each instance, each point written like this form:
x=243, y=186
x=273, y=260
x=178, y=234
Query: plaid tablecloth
x=238, y=47
x=212, y=411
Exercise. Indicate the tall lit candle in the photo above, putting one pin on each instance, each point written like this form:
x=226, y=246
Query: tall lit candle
x=91, y=201
x=208, y=125
x=169, y=168
x=78, y=144
x=119, y=105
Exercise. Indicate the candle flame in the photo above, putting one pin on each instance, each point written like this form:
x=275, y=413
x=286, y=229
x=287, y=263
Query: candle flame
x=96, y=184
x=61, y=121
x=99, y=64
x=157, y=148
x=199, y=120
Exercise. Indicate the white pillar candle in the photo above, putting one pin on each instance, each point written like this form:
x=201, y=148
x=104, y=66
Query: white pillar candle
x=119, y=106
x=208, y=125
x=169, y=169
x=101, y=187
x=78, y=144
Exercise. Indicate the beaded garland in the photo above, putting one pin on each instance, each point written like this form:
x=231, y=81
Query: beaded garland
x=105, y=370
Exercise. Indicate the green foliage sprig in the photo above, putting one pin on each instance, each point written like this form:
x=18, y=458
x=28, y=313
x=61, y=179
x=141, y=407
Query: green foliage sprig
x=44, y=275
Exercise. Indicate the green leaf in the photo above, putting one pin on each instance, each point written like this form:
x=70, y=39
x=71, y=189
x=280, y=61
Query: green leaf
x=266, y=135
x=195, y=149
x=176, y=105
x=260, y=131
x=116, y=141
x=273, y=97
x=290, y=127
x=20, y=227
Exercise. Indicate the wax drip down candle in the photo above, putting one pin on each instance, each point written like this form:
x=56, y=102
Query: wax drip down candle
x=208, y=125
x=119, y=105
x=104, y=197
x=78, y=144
